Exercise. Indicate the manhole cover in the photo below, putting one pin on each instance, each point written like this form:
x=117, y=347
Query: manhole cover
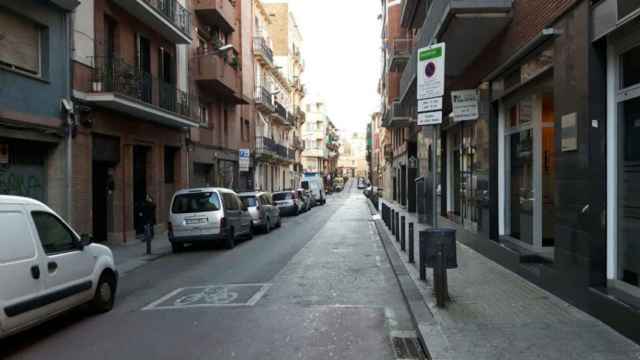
x=407, y=348
x=211, y=296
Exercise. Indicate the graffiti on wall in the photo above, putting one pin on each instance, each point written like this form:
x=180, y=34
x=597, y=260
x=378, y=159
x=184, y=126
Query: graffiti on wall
x=22, y=180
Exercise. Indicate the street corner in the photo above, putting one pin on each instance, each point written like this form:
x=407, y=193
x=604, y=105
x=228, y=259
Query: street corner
x=210, y=296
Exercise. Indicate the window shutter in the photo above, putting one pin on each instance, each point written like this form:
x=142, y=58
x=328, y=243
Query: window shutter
x=19, y=43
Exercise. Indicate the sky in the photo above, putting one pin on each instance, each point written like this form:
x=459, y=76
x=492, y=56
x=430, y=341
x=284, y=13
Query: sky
x=342, y=56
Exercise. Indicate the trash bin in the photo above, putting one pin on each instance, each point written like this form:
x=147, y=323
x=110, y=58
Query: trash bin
x=438, y=252
x=435, y=239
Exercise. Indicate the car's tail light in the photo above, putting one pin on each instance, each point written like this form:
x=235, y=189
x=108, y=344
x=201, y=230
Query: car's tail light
x=170, y=227
x=223, y=223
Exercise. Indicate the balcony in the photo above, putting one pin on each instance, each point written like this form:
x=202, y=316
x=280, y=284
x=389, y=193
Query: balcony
x=466, y=26
x=298, y=144
x=264, y=101
x=267, y=147
x=388, y=152
x=281, y=114
x=396, y=117
x=217, y=74
x=167, y=17
x=399, y=52
x=219, y=13
x=122, y=87
x=262, y=51
x=302, y=116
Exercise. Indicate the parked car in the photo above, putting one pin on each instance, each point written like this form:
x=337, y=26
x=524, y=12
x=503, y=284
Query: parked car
x=316, y=187
x=306, y=198
x=288, y=202
x=362, y=183
x=46, y=268
x=265, y=215
x=208, y=215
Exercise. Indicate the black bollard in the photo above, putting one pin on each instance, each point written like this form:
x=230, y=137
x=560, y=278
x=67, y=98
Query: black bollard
x=402, y=234
x=397, y=226
x=393, y=225
x=422, y=250
x=411, y=259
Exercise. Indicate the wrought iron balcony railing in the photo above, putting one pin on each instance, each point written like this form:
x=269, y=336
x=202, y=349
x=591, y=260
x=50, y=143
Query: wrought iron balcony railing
x=113, y=75
x=261, y=48
x=173, y=11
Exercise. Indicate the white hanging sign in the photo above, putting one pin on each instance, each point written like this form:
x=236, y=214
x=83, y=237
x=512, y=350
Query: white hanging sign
x=432, y=104
x=430, y=118
x=465, y=105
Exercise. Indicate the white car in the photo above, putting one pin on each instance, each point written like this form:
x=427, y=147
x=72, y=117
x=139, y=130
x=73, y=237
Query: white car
x=46, y=268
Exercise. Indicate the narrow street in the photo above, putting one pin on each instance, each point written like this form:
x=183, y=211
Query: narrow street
x=320, y=287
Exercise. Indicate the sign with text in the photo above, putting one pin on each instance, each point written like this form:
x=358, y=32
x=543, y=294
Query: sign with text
x=244, y=159
x=465, y=105
x=430, y=118
x=431, y=71
x=433, y=104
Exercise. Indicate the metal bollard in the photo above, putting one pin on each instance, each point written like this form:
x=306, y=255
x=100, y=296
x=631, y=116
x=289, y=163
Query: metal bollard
x=398, y=226
x=411, y=259
x=402, y=234
x=393, y=225
x=147, y=237
x=422, y=251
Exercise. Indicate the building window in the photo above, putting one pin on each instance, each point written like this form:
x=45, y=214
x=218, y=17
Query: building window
x=170, y=164
x=204, y=115
x=21, y=44
x=247, y=130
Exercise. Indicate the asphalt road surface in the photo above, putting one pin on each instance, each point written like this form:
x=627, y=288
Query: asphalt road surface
x=320, y=287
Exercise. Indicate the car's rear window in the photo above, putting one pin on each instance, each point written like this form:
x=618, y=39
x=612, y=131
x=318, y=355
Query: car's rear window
x=282, y=196
x=249, y=201
x=196, y=202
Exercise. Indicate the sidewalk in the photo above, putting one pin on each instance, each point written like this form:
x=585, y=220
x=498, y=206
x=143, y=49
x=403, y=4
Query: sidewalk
x=133, y=254
x=495, y=314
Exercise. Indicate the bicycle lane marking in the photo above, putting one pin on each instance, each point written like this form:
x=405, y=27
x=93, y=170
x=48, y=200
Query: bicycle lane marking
x=228, y=295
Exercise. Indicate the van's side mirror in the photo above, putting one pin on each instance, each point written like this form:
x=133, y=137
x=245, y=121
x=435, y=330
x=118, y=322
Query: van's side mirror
x=85, y=240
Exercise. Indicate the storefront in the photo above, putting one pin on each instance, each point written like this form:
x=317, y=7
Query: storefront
x=623, y=161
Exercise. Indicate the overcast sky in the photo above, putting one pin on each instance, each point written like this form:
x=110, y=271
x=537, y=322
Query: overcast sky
x=342, y=55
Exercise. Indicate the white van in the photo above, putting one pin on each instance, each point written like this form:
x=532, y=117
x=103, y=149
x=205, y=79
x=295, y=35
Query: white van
x=46, y=268
x=208, y=215
x=315, y=185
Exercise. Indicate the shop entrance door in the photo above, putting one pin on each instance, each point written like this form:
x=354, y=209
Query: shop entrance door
x=529, y=169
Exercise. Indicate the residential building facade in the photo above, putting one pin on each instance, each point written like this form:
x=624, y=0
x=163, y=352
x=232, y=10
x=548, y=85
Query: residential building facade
x=134, y=113
x=315, y=130
x=541, y=181
x=35, y=101
x=277, y=44
x=353, y=155
x=215, y=64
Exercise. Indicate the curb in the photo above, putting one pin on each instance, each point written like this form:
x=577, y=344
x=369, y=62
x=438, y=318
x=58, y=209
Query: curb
x=426, y=325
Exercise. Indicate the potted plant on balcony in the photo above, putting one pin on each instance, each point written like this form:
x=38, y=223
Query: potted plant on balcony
x=235, y=62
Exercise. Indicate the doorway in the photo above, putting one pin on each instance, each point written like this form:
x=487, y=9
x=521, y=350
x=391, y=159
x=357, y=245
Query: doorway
x=529, y=169
x=140, y=155
x=101, y=193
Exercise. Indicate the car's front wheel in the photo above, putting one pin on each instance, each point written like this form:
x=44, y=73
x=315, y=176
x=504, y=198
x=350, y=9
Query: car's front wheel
x=104, y=297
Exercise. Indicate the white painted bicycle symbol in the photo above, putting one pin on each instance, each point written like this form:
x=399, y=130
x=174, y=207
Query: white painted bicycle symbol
x=210, y=295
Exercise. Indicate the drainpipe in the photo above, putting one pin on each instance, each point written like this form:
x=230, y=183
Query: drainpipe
x=70, y=119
